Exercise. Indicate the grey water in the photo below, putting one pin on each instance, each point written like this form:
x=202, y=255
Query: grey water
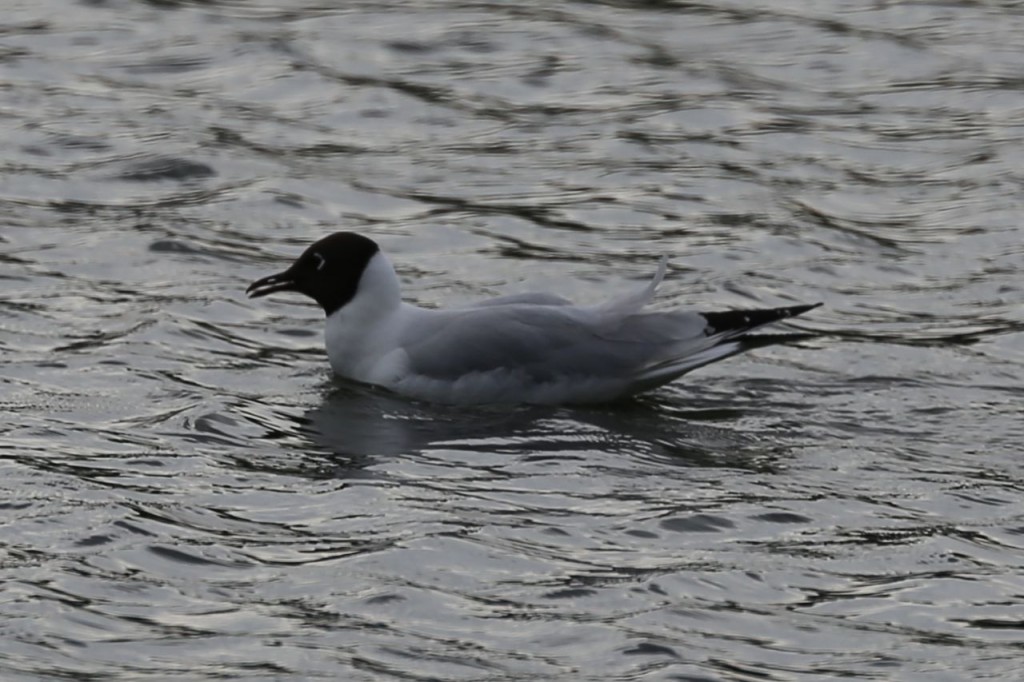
x=187, y=493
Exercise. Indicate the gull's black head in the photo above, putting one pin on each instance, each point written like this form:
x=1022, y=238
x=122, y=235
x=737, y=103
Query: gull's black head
x=328, y=271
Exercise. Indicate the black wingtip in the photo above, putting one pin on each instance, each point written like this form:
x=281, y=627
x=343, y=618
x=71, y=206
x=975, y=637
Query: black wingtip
x=801, y=309
x=734, y=323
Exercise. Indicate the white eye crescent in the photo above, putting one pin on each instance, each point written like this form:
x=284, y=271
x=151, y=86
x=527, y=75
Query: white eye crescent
x=320, y=261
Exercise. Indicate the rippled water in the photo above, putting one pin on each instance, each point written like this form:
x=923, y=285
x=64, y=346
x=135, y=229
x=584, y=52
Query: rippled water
x=187, y=493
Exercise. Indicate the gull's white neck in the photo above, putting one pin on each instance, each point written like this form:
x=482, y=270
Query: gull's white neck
x=362, y=331
x=379, y=290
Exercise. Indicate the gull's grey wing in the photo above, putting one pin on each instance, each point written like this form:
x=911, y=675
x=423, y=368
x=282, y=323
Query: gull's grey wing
x=518, y=299
x=545, y=342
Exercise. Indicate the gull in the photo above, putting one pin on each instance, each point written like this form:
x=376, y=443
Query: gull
x=525, y=348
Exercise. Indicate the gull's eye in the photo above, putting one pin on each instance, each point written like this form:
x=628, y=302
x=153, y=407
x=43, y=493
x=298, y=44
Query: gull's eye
x=320, y=260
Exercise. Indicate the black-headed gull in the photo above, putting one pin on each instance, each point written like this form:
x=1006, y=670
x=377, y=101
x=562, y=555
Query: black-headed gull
x=525, y=348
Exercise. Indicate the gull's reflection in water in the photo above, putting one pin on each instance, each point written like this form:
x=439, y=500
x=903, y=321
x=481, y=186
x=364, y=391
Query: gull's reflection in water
x=361, y=421
x=361, y=425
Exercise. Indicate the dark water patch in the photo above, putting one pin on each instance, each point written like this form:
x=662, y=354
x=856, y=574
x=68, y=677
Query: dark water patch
x=782, y=517
x=166, y=168
x=173, y=246
x=571, y=593
x=91, y=144
x=170, y=65
x=410, y=46
x=994, y=623
x=698, y=523
x=193, y=557
x=94, y=540
x=650, y=649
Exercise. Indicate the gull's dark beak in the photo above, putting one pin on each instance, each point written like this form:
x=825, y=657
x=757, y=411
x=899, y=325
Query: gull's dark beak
x=283, y=281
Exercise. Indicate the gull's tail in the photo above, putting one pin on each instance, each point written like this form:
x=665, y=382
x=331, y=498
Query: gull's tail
x=733, y=323
x=730, y=331
x=727, y=335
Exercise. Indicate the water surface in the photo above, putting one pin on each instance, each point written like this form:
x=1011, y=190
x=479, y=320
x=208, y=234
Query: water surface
x=186, y=491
